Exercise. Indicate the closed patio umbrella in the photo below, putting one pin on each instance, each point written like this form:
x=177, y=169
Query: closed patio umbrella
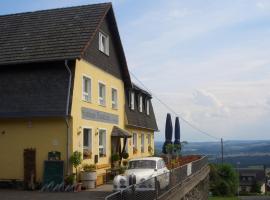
x=177, y=131
x=168, y=133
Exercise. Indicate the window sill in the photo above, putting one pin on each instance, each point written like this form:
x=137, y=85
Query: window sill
x=90, y=101
x=102, y=105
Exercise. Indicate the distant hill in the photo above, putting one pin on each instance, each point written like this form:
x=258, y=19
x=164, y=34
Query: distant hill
x=246, y=153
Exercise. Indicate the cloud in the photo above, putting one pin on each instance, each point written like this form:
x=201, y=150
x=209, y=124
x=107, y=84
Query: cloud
x=204, y=98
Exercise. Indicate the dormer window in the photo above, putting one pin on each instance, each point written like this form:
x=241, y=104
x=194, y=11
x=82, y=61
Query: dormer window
x=140, y=103
x=104, y=43
x=131, y=100
x=147, y=106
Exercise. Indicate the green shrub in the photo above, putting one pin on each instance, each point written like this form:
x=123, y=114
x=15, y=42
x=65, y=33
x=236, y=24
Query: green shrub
x=125, y=155
x=223, y=180
x=89, y=167
x=115, y=157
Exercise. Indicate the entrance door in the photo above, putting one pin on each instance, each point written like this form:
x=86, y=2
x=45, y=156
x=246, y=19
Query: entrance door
x=29, y=168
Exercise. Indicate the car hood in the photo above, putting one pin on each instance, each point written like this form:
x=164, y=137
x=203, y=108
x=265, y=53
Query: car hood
x=140, y=173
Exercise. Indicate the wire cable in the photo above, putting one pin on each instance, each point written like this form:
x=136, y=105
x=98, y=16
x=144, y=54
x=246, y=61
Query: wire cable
x=172, y=110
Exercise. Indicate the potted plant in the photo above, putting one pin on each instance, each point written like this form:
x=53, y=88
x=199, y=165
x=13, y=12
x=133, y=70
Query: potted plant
x=135, y=150
x=89, y=176
x=115, y=160
x=125, y=163
x=125, y=155
x=150, y=149
x=76, y=160
x=87, y=154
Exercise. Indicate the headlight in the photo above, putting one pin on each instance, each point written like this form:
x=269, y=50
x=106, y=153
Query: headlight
x=122, y=181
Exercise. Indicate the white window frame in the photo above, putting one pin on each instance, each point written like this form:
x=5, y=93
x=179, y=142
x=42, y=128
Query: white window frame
x=142, y=143
x=90, y=147
x=101, y=100
x=114, y=101
x=148, y=107
x=104, y=48
x=140, y=103
x=103, y=146
x=135, y=140
x=126, y=149
x=149, y=138
x=89, y=93
x=132, y=100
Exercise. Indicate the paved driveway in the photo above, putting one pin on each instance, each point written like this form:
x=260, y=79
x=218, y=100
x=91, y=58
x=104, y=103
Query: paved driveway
x=35, y=195
x=255, y=198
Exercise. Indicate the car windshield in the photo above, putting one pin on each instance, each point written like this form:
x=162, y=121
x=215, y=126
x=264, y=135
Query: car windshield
x=142, y=164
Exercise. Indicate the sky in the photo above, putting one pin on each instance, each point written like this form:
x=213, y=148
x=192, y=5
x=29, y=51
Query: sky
x=208, y=60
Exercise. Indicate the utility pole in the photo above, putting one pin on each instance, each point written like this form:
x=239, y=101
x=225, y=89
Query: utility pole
x=222, y=151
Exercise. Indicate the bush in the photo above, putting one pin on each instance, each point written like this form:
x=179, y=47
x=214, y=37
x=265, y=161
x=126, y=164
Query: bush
x=125, y=155
x=223, y=180
x=89, y=168
x=115, y=157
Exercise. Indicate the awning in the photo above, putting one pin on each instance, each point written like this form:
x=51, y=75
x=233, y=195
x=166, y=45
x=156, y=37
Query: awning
x=118, y=132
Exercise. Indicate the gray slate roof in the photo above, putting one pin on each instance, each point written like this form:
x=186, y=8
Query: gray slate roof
x=47, y=35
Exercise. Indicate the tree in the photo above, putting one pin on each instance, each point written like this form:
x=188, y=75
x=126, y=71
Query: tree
x=223, y=180
x=256, y=187
x=76, y=160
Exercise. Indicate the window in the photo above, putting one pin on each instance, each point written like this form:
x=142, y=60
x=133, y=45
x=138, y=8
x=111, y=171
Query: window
x=147, y=107
x=140, y=103
x=126, y=147
x=87, y=143
x=132, y=97
x=104, y=43
x=86, y=89
x=114, y=99
x=102, y=94
x=102, y=142
x=142, y=143
x=87, y=139
x=134, y=143
x=149, y=139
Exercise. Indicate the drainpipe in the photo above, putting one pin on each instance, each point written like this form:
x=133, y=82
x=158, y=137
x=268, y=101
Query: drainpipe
x=67, y=113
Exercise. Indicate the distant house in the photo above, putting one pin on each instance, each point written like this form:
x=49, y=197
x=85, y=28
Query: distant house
x=250, y=178
x=64, y=87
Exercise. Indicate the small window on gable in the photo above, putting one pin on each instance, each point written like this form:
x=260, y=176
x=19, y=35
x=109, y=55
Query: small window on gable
x=140, y=103
x=104, y=43
x=147, y=106
x=132, y=100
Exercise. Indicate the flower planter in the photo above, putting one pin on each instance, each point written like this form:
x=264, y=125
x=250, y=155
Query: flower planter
x=89, y=179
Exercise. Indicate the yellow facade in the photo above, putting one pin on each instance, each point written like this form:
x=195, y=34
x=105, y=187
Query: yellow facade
x=44, y=135
x=137, y=145
x=47, y=134
x=97, y=75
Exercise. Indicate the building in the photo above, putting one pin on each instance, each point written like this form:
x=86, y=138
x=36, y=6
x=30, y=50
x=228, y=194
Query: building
x=65, y=87
x=251, y=179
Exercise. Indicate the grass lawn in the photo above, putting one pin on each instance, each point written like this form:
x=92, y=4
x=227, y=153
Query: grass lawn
x=223, y=198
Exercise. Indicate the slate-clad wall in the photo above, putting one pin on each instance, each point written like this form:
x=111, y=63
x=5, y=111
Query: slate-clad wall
x=110, y=64
x=140, y=119
x=34, y=90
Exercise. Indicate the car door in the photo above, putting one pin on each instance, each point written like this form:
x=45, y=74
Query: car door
x=162, y=173
x=166, y=173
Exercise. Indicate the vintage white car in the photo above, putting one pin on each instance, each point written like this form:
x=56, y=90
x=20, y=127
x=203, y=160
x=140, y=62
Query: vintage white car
x=142, y=172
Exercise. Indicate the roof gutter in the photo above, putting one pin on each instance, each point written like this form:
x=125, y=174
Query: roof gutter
x=67, y=118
